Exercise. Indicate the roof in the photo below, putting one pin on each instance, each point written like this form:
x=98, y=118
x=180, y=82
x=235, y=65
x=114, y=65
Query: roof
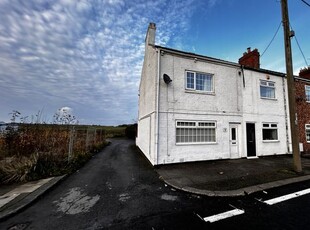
x=216, y=60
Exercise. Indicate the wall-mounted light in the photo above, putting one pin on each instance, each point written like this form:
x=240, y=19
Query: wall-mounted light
x=195, y=60
x=267, y=77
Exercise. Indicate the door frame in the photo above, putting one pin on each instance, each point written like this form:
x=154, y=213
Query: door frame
x=238, y=139
x=251, y=153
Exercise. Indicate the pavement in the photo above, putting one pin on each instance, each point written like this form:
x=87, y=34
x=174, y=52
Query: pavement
x=16, y=197
x=212, y=178
x=235, y=177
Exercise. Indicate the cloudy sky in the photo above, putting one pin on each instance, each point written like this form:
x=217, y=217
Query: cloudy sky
x=87, y=54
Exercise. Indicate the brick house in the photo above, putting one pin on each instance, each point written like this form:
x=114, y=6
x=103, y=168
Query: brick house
x=302, y=87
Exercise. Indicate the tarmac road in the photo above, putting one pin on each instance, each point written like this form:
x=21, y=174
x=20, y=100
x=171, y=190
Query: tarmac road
x=115, y=189
x=118, y=189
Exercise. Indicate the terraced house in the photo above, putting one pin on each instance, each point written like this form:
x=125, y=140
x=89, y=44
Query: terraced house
x=194, y=107
x=302, y=86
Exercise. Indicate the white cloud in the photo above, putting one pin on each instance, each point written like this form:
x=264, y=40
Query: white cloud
x=87, y=54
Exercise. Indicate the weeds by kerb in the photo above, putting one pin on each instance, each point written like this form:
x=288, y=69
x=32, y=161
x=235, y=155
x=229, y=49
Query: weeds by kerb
x=34, y=151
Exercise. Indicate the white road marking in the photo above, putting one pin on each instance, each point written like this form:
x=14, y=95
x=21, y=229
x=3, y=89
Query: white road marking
x=223, y=215
x=287, y=197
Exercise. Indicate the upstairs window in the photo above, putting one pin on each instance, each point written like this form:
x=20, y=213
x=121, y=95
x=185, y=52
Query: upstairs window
x=195, y=132
x=270, y=132
x=307, y=128
x=307, y=90
x=267, y=89
x=199, y=81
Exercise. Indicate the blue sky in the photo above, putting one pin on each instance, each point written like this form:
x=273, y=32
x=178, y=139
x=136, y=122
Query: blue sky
x=87, y=55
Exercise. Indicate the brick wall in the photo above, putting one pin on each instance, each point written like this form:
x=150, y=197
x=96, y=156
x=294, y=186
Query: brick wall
x=303, y=112
x=250, y=59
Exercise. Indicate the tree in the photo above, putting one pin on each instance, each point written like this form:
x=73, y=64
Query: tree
x=64, y=116
x=15, y=114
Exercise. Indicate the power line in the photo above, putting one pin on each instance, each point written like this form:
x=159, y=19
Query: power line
x=306, y=3
x=302, y=53
x=272, y=39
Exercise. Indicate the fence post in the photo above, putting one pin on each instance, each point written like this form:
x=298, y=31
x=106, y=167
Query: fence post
x=95, y=137
x=71, y=143
x=87, y=138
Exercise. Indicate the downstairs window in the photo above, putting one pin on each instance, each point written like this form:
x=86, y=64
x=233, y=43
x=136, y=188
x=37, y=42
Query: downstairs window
x=270, y=132
x=195, y=132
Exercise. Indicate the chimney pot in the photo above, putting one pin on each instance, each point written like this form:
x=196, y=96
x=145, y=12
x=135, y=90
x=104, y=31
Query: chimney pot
x=249, y=49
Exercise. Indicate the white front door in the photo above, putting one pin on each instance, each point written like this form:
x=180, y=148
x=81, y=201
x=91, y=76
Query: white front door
x=234, y=140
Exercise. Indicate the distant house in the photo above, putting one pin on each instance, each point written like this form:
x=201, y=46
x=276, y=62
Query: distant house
x=3, y=126
x=302, y=88
x=195, y=108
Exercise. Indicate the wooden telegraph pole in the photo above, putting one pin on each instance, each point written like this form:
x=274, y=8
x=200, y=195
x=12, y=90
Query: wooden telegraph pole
x=291, y=87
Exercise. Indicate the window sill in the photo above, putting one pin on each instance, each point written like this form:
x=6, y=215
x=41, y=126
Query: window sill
x=196, y=143
x=270, y=99
x=270, y=141
x=200, y=92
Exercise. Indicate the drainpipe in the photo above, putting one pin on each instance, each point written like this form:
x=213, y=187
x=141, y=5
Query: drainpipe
x=157, y=107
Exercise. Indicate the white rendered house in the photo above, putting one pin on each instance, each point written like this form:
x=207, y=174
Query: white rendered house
x=195, y=108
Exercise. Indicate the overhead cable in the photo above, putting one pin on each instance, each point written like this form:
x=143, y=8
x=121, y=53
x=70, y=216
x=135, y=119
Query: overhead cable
x=272, y=39
x=302, y=53
x=306, y=3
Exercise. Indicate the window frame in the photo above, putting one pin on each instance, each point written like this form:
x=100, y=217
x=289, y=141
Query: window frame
x=307, y=86
x=267, y=86
x=307, y=128
x=194, y=89
x=270, y=126
x=197, y=124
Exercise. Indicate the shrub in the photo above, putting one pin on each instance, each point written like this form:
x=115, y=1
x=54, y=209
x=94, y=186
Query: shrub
x=38, y=151
x=131, y=131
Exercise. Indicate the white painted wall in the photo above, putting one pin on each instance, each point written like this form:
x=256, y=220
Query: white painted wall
x=236, y=99
x=258, y=110
x=224, y=106
x=147, y=104
x=231, y=102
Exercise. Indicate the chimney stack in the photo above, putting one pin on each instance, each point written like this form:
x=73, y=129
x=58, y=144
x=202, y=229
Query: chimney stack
x=250, y=59
x=150, y=35
x=305, y=72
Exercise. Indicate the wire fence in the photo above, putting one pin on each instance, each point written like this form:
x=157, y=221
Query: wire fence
x=62, y=140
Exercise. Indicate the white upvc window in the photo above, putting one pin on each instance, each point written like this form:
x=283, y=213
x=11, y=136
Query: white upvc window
x=270, y=131
x=307, y=91
x=307, y=130
x=197, y=81
x=267, y=89
x=191, y=132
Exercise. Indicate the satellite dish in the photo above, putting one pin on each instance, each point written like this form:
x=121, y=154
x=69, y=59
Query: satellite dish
x=167, y=79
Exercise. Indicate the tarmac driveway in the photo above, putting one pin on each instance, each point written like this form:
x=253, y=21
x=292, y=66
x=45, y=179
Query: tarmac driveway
x=116, y=189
